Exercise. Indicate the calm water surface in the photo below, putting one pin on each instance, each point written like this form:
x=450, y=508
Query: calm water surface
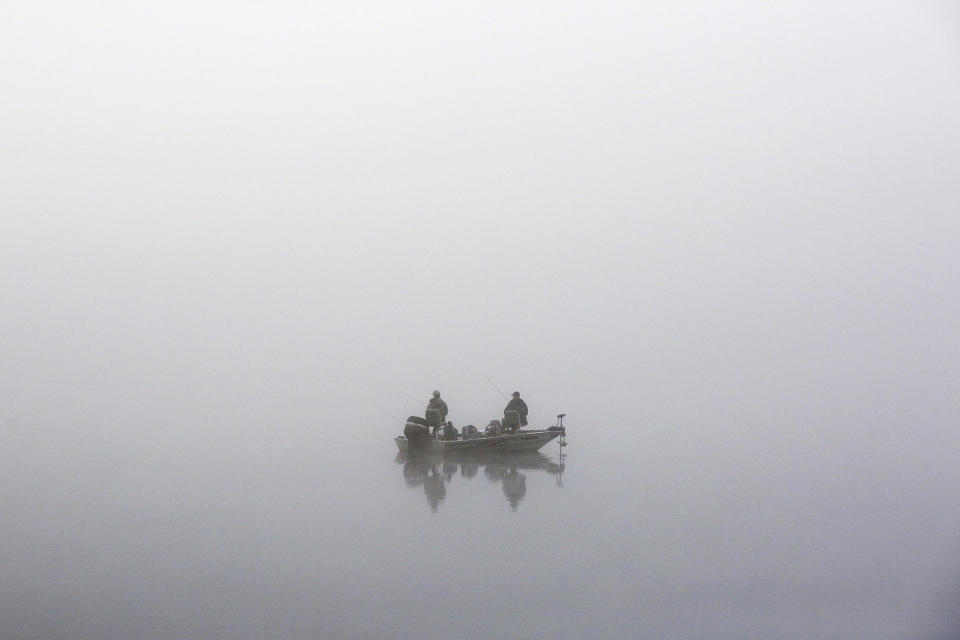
x=191, y=533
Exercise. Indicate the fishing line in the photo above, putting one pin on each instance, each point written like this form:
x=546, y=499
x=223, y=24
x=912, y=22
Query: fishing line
x=496, y=387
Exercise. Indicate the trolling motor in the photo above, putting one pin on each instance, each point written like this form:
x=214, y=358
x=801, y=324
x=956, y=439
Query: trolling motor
x=562, y=429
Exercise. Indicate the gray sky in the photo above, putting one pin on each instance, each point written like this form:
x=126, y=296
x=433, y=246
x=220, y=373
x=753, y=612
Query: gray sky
x=304, y=208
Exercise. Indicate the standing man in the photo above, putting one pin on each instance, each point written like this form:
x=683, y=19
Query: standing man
x=518, y=405
x=438, y=404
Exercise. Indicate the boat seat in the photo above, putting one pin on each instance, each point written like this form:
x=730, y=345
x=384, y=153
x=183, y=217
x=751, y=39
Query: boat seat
x=433, y=418
x=511, y=420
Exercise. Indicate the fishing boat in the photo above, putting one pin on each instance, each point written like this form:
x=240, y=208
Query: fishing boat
x=420, y=436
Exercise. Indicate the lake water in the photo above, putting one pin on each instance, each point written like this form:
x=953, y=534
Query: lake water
x=325, y=533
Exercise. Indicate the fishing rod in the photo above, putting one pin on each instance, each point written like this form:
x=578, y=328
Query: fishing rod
x=496, y=387
x=393, y=416
x=412, y=399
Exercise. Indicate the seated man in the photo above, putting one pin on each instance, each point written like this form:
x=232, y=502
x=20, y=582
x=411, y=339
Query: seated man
x=518, y=405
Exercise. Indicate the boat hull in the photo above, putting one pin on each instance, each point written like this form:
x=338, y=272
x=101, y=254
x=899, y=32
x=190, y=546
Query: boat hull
x=530, y=440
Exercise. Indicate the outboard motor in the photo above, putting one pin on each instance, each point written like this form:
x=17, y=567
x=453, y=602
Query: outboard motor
x=493, y=429
x=511, y=420
x=469, y=432
x=416, y=432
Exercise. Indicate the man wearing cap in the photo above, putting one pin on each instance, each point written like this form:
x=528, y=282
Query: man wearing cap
x=438, y=404
x=518, y=405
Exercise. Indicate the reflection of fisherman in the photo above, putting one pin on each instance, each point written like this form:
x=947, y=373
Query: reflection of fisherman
x=514, y=487
x=518, y=405
x=433, y=486
x=438, y=404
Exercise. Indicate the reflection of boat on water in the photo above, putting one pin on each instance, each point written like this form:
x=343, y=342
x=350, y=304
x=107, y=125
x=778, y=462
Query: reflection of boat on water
x=433, y=471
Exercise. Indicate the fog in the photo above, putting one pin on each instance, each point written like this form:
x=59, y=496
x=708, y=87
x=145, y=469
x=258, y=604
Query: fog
x=239, y=241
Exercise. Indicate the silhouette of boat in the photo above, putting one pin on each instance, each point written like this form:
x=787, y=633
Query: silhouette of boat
x=417, y=436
